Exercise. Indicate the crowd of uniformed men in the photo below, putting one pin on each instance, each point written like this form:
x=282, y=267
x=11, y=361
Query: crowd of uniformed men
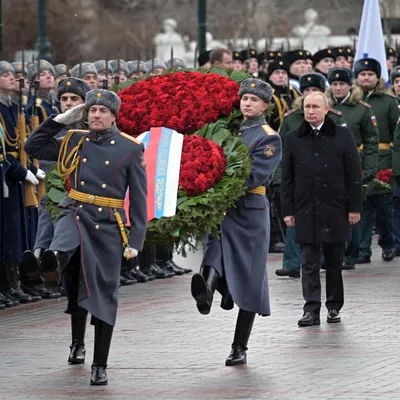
x=359, y=99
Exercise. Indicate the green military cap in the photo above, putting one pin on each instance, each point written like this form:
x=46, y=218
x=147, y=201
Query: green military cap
x=367, y=64
x=103, y=97
x=72, y=85
x=80, y=70
x=340, y=74
x=259, y=88
x=314, y=79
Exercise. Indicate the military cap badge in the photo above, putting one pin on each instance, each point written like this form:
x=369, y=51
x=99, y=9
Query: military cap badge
x=69, y=83
x=337, y=75
x=300, y=53
x=252, y=85
x=98, y=94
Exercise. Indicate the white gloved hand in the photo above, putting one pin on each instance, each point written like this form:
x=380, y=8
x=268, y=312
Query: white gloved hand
x=130, y=252
x=71, y=115
x=40, y=174
x=31, y=178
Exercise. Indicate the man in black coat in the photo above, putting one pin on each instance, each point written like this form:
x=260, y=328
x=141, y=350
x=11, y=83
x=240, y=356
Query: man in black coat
x=321, y=196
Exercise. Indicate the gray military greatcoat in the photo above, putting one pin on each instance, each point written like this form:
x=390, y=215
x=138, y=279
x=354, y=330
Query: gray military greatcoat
x=240, y=255
x=108, y=165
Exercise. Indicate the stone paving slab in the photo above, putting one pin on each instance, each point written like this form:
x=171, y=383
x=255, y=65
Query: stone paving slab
x=164, y=349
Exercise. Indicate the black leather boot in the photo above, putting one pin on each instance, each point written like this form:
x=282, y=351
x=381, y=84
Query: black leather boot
x=147, y=266
x=162, y=260
x=14, y=291
x=171, y=261
x=161, y=264
x=50, y=265
x=244, y=325
x=78, y=329
x=203, y=287
x=102, y=341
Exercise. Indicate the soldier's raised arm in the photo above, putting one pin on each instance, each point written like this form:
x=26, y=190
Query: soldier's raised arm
x=41, y=143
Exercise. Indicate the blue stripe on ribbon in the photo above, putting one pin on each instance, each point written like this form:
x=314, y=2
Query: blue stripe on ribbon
x=162, y=170
x=365, y=55
x=146, y=139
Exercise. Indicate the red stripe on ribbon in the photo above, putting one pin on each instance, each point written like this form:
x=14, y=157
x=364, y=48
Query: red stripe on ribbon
x=150, y=156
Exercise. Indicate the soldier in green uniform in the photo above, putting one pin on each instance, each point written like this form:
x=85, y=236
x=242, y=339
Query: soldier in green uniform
x=379, y=199
x=308, y=83
x=361, y=121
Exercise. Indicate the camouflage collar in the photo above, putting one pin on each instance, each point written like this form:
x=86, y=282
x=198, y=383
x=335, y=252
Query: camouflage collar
x=253, y=122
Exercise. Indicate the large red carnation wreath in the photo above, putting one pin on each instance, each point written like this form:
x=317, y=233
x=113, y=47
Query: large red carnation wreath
x=183, y=101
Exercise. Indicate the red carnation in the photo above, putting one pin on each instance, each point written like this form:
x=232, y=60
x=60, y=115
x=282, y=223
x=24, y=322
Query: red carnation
x=183, y=101
x=199, y=173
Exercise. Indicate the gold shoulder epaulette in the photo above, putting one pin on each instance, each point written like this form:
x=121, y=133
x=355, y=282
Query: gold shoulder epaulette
x=337, y=112
x=364, y=103
x=268, y=130
x=125, y=135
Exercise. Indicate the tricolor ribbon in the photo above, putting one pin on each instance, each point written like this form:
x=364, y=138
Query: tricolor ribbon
x=163, y=151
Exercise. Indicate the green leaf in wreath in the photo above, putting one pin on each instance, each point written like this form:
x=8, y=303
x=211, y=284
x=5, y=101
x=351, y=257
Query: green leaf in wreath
x=56, y=196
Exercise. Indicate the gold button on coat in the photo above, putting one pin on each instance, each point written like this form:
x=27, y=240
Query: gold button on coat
x=99, y=209
x=107, y=162
x=97, y=227
x=82, y=183
x=103, y=185
x=80, y=206
x=87, y=139
x=84, y=160
x=77, y=218
x=112, y=142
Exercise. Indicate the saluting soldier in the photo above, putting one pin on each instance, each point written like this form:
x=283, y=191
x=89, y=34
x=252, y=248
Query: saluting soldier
x=89, y=233
x=379, y=199
x=46, y=103
x=347, y=98
x=308, y=83
x=235, y=264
